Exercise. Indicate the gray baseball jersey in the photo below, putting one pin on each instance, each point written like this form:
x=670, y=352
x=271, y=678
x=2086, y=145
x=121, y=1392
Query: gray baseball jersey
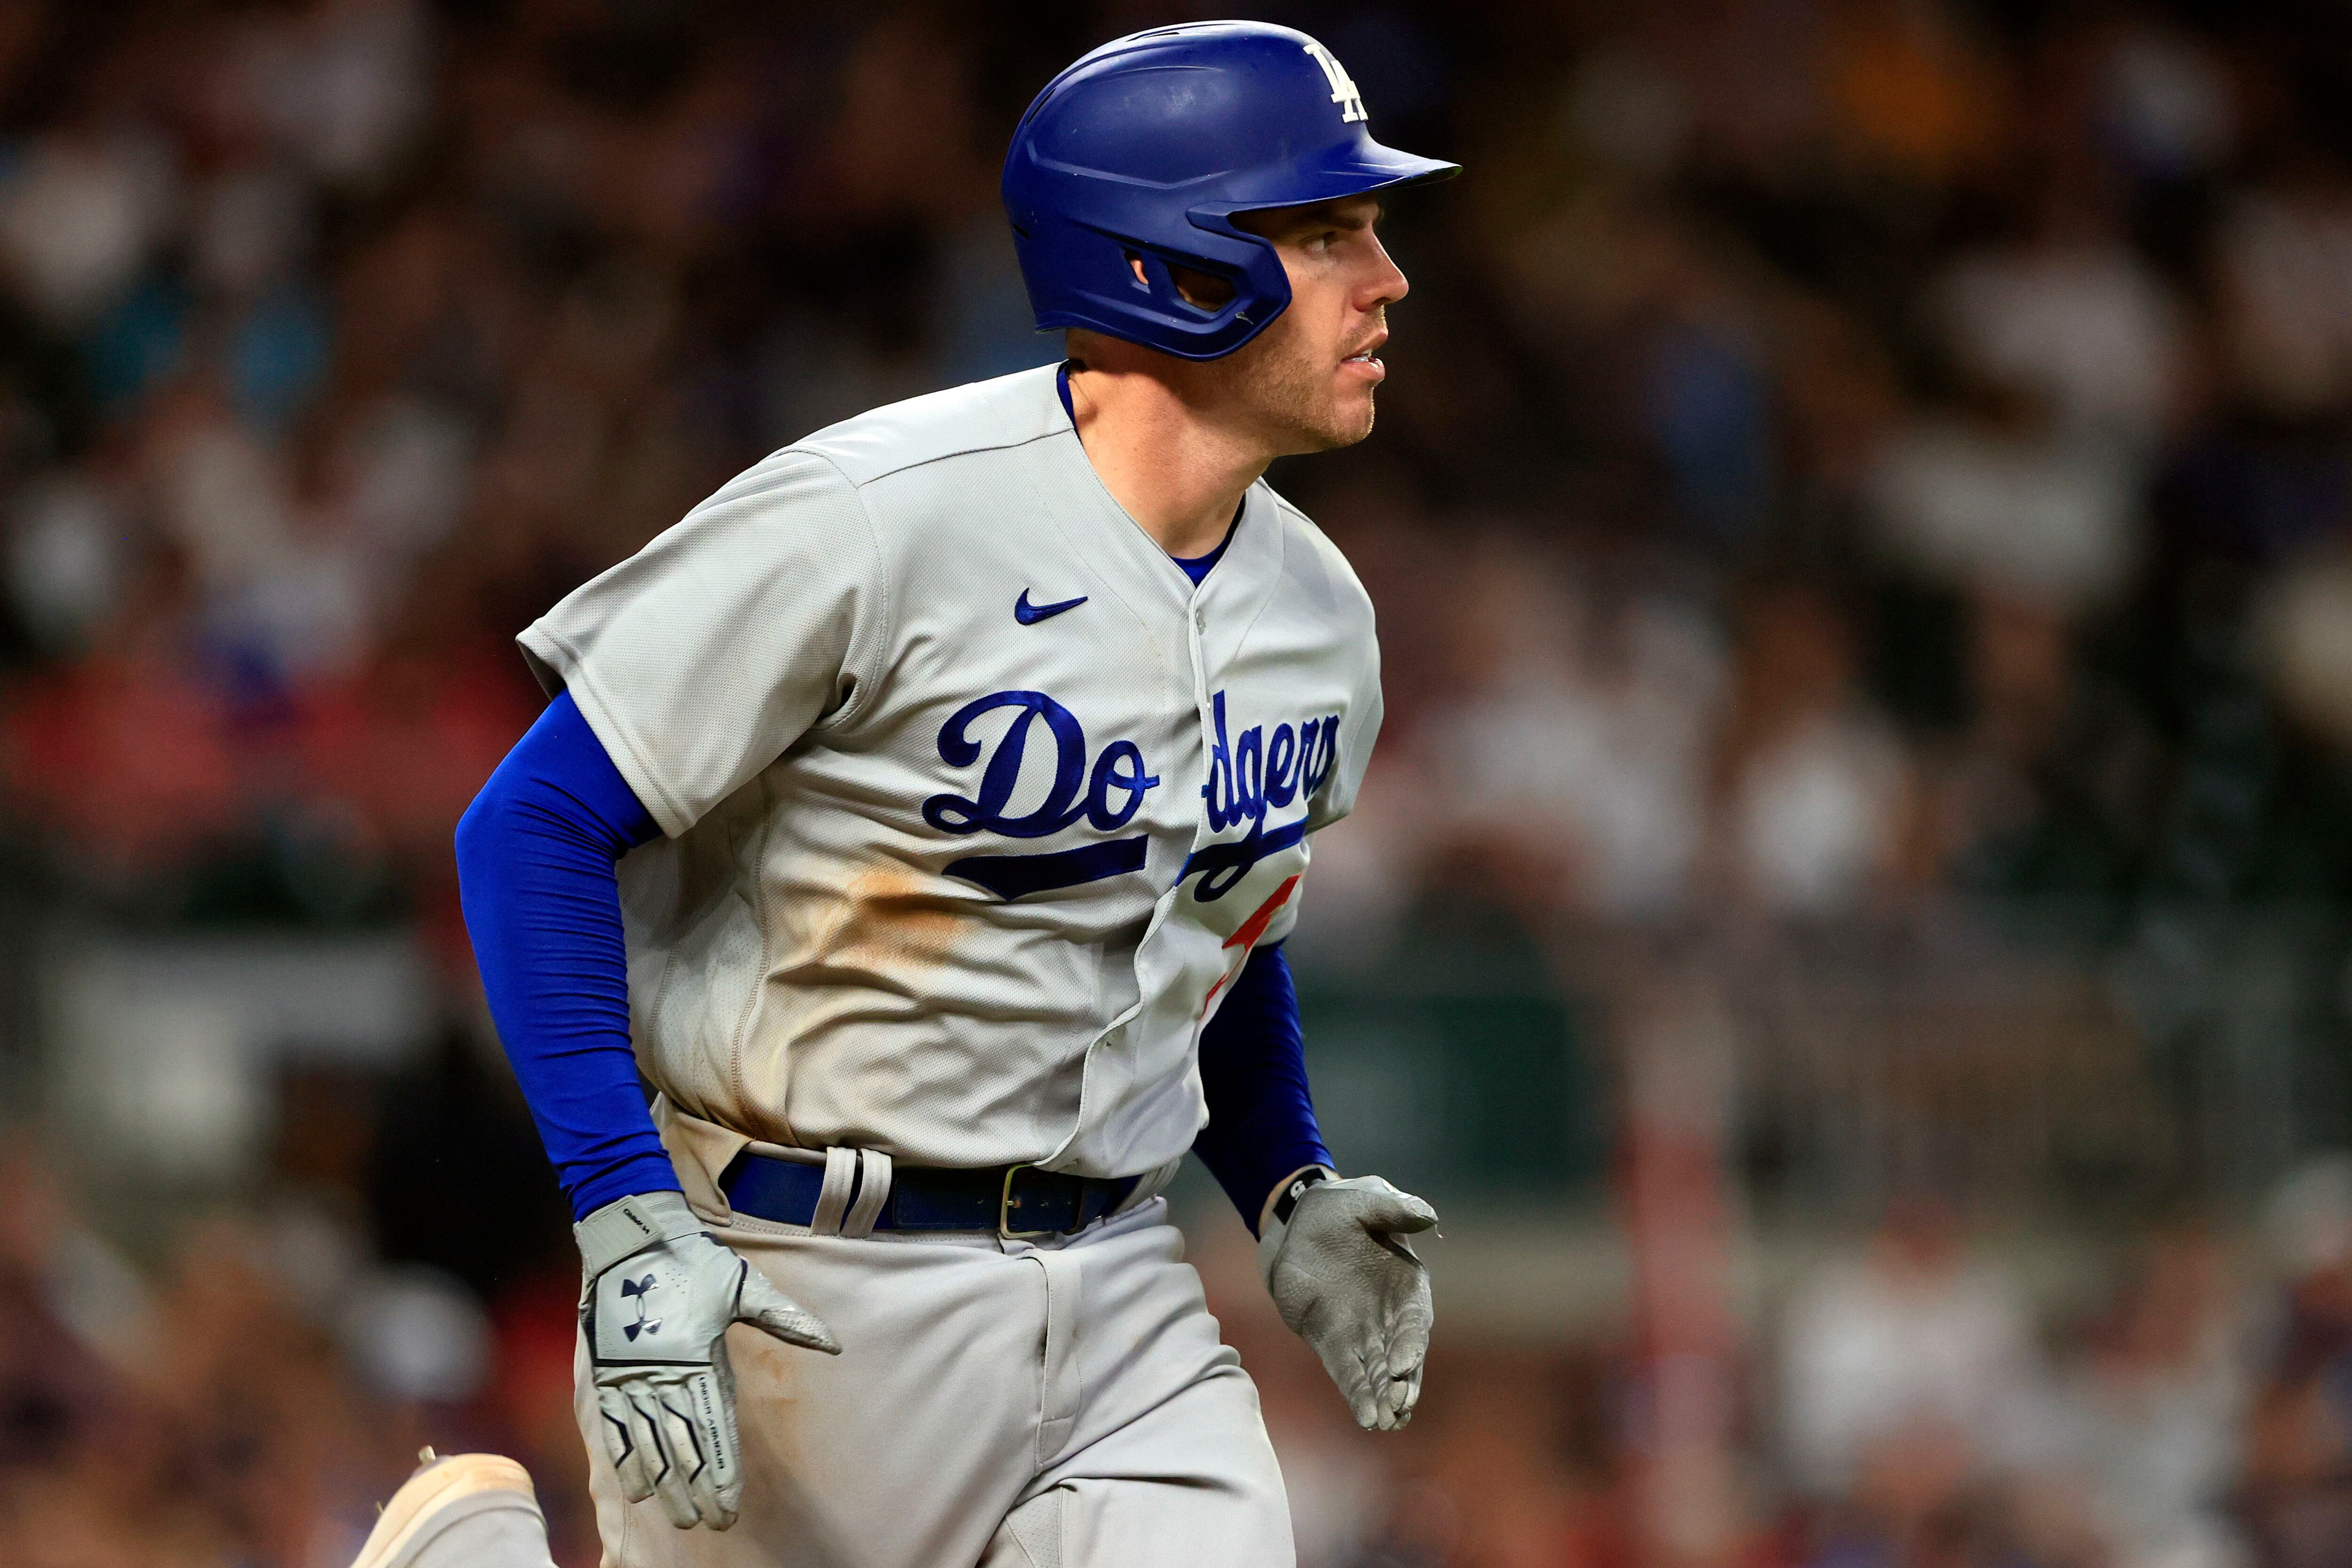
x=974, y=802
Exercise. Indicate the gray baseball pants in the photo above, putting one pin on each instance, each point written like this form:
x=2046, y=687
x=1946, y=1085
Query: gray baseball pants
x=996, y=1402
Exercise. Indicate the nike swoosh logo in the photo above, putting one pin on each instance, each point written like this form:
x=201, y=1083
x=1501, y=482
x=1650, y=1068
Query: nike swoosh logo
x=1029, y=614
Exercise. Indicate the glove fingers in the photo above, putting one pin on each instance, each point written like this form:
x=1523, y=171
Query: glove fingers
x=650, y=1453
x=717, y=1480
x=1397, y=1379
x=689, y=1462
x=1408, y=1331
x=689, y=1422
x=1406, y=1350
x=1393, y=1389
x=1397, y=1400
x=622, y=1444
x=649, y=1423
x=1349, y=1374
x=771, y=1310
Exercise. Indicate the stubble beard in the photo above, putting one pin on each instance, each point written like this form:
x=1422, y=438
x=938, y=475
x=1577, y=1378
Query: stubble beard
x=1289, y=394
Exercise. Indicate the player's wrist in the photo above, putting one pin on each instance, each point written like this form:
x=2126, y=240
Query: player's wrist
x=1275, y=1213
x=627, y=1226
x=640, y=1169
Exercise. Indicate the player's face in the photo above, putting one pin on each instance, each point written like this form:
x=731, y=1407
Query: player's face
x=1310, y=375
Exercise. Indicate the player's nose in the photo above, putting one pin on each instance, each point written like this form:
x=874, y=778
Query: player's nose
x=1384, y=282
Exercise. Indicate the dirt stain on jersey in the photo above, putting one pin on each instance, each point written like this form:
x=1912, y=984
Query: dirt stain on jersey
x=892, y=921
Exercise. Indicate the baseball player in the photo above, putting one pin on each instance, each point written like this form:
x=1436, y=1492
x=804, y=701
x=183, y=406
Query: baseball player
x=923, y=816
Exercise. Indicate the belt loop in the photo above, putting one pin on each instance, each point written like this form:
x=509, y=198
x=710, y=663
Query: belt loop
x=1148, y=1185
x=833, y=1198
x=873, y=1192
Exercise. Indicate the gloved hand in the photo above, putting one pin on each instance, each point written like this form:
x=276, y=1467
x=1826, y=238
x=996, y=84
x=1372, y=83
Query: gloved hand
x=1345, y=1280
x=660, y=1293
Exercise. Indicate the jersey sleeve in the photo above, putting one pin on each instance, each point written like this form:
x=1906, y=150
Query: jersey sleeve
x=703, y=658
x=1356, y=635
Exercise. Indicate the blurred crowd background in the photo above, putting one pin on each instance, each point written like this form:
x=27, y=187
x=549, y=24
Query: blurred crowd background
x=1850, y=917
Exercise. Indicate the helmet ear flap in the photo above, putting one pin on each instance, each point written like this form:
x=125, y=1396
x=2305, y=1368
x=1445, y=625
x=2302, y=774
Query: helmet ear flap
x=1180, y=287
x=1126, y=287
x=1261, y=282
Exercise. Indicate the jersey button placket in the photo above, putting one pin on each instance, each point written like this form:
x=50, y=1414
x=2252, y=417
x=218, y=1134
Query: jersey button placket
x=1201, y=683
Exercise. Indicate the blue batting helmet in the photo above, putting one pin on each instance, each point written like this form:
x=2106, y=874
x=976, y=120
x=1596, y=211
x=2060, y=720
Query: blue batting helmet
x=1148, y=147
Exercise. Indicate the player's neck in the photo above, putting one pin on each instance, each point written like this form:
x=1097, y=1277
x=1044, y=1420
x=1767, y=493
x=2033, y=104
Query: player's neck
x=1177, y=471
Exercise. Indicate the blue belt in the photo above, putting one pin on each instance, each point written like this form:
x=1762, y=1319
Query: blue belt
x=1011, y=1200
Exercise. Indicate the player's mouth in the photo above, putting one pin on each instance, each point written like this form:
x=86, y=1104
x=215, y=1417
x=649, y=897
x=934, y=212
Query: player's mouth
x=1368, y=359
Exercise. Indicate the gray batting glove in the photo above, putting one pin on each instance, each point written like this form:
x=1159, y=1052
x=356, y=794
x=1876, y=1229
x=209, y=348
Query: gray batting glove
x=661, y=1291
x=1346, y=1281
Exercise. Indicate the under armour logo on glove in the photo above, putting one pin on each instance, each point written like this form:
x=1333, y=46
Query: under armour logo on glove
x=668, y=1408
x=640, y=1290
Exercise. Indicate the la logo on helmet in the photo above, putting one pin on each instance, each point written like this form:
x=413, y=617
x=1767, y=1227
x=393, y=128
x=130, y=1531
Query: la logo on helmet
x=1344, y=90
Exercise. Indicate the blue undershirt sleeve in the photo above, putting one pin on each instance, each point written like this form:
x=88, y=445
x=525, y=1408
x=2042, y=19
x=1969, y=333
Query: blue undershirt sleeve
x=536, y=853
x=1254, y=1071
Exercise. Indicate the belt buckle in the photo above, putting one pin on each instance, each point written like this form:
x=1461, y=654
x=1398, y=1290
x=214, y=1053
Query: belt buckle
x=1004, y=1209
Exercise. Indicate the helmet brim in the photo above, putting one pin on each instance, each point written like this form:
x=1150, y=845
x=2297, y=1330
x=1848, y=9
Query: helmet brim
x=1359, y=171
